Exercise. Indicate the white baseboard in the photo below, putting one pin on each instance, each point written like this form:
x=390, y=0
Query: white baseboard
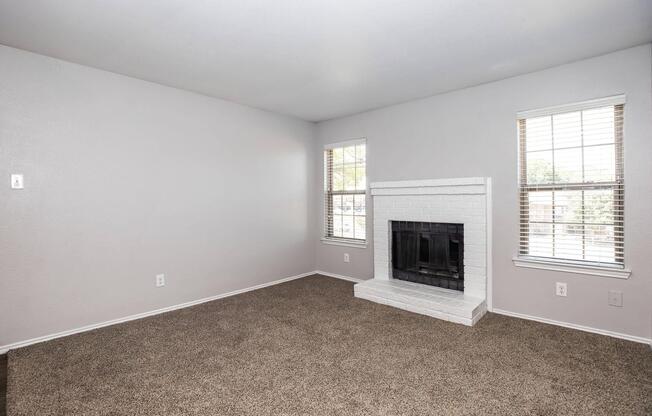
x=339, y=276
x=575, y=326
x=20, y=344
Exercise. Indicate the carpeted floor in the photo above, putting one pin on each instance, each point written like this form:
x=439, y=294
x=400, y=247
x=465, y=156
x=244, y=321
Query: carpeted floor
x=3, y=384
x=308, y=347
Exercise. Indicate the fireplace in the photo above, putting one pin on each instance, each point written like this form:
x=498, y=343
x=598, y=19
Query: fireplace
x=437, y=232
x=430, y=253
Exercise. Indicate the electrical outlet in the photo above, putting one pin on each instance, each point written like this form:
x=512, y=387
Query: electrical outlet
x=616, y=298
x=347, y=258
x=560, y=289
x=160, y=280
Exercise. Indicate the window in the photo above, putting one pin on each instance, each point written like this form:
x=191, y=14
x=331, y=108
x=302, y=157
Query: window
x=571, y=183
x=345, y=191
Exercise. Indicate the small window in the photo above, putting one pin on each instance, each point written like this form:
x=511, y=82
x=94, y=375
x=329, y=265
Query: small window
x=571, y=183
x=345, y=175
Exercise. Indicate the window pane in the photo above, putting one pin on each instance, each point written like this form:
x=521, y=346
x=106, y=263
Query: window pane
x=337, y=204
x=600, y=243
x=349, y=154
x=338, y=178
x=599, y=206
x=347, y=226
x=567, y=130
x=539, y=167
x=347, y=204
x=360, y=177
x=360, y=230
x=599, y=164
x=538, y=133
x=540, y=240
x=349, y=177
x=568, y=206
x=338, y=156
x=568, y=165
x=337, y=226
x=598, y=125
x=361, y=153
x=568, y=241
x=540, y=206
x=359, y=205
x=568, y=228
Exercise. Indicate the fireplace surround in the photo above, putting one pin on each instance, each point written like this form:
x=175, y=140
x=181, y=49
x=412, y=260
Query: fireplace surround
x=465, y=202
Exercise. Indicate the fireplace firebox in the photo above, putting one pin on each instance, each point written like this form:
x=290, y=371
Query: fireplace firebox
x=428, y=253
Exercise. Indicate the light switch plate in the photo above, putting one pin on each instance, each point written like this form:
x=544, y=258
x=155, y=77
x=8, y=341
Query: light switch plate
x=160, y=280
x=17, y=181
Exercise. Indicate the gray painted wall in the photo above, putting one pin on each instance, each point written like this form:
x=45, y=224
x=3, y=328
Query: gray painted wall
x=126, y=179
x=475, y=129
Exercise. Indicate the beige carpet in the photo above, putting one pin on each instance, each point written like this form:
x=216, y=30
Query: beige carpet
x=308, y=347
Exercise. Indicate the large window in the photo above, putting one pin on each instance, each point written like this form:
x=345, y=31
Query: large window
x=571, y=183
x=345, y=191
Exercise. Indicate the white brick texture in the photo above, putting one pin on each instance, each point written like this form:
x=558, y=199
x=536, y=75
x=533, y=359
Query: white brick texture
x=460, y=201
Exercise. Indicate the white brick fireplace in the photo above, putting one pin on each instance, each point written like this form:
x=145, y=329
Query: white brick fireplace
x=464, y=201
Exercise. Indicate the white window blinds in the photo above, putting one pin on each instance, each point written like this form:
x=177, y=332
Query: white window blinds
x=345, y=174
x=571, y=183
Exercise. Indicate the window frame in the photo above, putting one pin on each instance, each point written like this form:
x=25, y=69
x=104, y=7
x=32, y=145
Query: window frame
x=329, y=193
x=522, y=259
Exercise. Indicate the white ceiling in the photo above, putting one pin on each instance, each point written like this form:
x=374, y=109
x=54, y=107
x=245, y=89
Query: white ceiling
x=321, y=59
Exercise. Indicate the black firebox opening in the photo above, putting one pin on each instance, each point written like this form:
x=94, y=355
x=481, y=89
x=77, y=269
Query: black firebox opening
x=428, y=252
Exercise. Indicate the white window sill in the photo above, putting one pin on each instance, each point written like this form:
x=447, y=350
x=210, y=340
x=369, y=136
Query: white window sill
x=603, y=271
x=345, y=243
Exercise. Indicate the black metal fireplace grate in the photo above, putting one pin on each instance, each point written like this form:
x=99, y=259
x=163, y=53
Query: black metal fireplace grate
x=428, y=253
